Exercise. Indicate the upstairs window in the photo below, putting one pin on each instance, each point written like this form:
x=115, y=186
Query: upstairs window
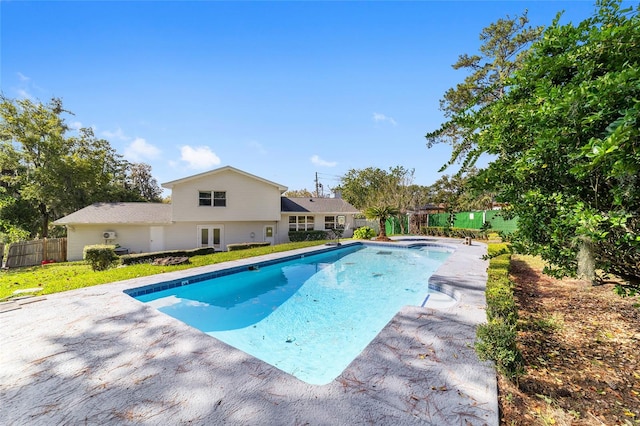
x=220, y=199
x=212, y=198
x=204, y=198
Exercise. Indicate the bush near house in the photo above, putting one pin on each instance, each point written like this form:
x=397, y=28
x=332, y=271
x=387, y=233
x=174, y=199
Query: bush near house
x=296, y=236
x=244, y=246
x=101, y=257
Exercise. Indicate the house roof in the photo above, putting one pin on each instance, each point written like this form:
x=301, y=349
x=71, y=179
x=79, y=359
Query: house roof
x=125, y=213
x=170, y=185
x=316, y=205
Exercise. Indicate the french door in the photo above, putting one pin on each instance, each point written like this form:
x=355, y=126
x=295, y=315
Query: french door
x=211, y=236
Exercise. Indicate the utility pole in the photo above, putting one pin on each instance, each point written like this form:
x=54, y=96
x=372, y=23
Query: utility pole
x=317, y=186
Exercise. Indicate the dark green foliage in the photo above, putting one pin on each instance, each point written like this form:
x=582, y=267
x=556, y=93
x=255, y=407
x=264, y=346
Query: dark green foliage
x=565, y=141
x=364, y=233
x=131, y=259
x=496, y=339
x=47, y=173
x=295, y=236
x=101, y=257
x=244, y=246
x=497, y=342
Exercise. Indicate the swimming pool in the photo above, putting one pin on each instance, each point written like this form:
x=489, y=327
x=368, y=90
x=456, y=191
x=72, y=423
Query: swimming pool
x=309, y=316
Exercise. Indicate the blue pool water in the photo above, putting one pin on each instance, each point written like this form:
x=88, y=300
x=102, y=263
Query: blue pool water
x=309, y=317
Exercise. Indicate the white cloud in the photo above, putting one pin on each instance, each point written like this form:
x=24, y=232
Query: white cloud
x=320, y=162
x=23, y=77
x=140, y=149
x=377, y=117
x=200, y=157
x=118, y=134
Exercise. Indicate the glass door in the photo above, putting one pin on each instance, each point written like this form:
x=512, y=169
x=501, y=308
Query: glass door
x=210, y=236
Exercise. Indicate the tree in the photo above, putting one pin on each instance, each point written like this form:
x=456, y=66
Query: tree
x=143, y=183
x=503, y=51
x=457, y=193
x=381, y=213
x=363, y=188
x=298, y=193
x=49, y=174
x=32, y=135
x=566, y=141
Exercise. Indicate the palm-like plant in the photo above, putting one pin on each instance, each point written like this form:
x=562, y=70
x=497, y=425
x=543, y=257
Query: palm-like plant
x=381, y=213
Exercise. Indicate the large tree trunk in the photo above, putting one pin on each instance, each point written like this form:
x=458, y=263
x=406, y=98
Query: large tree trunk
x=45, y=220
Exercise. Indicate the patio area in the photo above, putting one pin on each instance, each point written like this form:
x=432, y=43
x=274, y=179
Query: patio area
x=98, y=356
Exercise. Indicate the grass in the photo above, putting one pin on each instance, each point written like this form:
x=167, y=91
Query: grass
x=58, y=277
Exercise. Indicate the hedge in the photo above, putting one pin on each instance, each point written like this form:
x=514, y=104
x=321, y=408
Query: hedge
x=440, y=231
x=296, y=236
x=496, y=339
x=244, y=246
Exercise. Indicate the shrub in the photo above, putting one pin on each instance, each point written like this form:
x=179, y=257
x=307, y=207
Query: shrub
x=497, y=342
x=244, y=246
x=443, y=231
x=364, y=233
x=100, y=257
x=295, y=236
x=496, y=339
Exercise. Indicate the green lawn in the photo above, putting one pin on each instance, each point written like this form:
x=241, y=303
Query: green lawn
x=57, y=277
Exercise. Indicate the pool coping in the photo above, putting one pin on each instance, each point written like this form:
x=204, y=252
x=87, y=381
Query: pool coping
x=104, y=357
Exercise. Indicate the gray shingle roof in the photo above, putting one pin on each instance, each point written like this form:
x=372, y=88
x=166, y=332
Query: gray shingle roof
x=316, y=205
x=129, y=213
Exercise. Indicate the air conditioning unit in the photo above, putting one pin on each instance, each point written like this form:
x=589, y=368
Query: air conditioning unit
x=110, y=235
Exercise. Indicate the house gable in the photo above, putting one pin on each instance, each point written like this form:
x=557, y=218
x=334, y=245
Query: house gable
x=224, y=195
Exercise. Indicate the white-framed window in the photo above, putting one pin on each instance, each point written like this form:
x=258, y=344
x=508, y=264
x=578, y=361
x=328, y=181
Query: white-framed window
x=219, y=199
x=212, y=198
x=334, y=222
x=300, y=223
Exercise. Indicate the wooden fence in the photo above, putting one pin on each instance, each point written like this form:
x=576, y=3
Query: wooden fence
x=30, y=253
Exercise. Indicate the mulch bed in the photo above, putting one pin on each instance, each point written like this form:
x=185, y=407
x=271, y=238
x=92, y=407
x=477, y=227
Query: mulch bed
x=581, y=346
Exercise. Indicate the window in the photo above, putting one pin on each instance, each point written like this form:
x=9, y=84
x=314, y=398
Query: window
x=329, y=222
x=334, y=222
x=204, y=198
x=220, y=199
x=212, y=198
x=300, y=223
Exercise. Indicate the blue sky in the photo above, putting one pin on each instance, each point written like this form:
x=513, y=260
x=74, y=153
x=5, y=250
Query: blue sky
x=279, y=89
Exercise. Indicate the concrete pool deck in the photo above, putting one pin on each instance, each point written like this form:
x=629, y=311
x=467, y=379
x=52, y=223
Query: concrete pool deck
x=97, y=356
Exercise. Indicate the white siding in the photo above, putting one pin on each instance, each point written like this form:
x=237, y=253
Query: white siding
x=248, y=199
x=185, y=235
x=134, y=237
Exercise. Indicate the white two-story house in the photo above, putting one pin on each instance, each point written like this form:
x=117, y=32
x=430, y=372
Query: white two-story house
x=211, y=209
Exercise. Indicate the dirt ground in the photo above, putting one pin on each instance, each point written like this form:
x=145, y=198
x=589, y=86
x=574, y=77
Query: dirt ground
x=581, y=346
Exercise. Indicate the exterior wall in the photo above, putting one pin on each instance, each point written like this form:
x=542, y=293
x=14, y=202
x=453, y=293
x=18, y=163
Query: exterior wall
x=134, y=237
x=185, y=235
x=248, y=199
x=318, y=224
